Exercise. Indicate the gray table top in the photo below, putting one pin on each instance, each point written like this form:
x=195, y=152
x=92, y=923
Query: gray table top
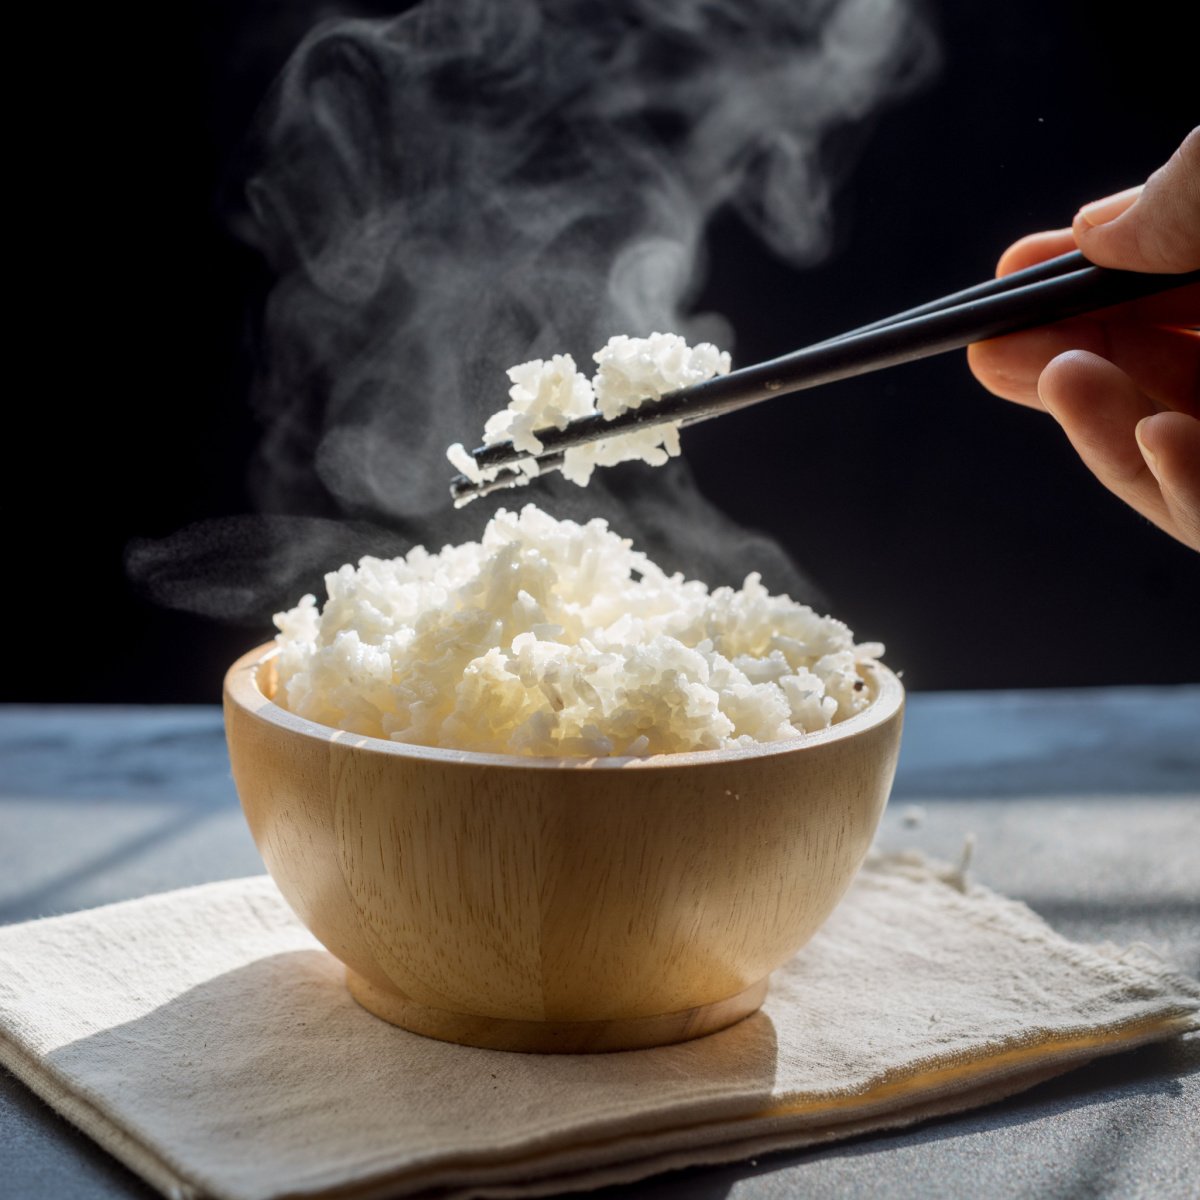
x=1084, y=804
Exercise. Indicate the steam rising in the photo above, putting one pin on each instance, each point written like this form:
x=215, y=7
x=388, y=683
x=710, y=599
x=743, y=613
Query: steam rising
x=473, y=184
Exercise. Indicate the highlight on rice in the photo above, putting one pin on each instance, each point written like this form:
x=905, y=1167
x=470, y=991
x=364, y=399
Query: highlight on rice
x=551, y=638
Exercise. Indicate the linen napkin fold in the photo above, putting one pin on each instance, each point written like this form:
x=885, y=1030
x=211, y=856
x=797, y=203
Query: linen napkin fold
x=205, y=1038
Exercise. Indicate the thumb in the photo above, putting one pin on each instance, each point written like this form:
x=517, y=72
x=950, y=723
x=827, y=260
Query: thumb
x=1152, y=228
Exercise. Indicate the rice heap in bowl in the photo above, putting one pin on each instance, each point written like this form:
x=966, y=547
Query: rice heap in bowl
x=551, y=638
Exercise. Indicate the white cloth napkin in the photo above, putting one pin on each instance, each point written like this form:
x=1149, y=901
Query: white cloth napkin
x=205, y=1039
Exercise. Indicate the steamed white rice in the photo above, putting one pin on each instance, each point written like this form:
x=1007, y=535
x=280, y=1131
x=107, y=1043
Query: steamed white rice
x=550, y=393
x=551, y=638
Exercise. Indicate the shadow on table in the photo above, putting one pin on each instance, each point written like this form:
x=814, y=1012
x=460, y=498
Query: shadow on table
x=46, y=897
x=96, y=753
x=117, y=804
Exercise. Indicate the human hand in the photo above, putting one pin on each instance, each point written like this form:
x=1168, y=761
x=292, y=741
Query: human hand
x=1124, y=383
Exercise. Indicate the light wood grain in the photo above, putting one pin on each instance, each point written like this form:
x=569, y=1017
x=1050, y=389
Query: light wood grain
x=557, y=904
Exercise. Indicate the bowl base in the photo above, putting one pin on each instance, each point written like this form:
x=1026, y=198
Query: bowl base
x=556, y=1037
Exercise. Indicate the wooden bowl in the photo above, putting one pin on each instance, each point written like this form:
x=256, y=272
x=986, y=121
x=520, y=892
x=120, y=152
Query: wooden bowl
x=557, y=904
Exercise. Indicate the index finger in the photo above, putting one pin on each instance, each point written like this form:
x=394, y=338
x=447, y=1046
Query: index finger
x=1176, y=309
x=1035, y=248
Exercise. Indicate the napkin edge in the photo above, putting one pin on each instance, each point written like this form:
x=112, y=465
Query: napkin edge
x=777, y=1127
x=110, y=1136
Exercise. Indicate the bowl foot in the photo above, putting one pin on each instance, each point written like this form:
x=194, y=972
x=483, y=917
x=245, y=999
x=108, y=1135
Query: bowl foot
x=556, y=1037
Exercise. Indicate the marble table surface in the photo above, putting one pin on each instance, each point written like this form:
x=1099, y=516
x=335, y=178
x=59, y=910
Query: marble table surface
x=1084, y=804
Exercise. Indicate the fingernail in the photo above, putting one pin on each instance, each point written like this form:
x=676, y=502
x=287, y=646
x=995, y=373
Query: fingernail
x=1148, y=454
x=1100, y=212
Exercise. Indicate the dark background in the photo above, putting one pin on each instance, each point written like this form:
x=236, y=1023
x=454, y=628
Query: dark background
x=959, y=529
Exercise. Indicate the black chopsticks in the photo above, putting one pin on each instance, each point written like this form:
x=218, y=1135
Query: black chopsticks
x=1039, y=295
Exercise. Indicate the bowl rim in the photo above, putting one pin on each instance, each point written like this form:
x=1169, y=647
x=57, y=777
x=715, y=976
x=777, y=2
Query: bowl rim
x=243, y=691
